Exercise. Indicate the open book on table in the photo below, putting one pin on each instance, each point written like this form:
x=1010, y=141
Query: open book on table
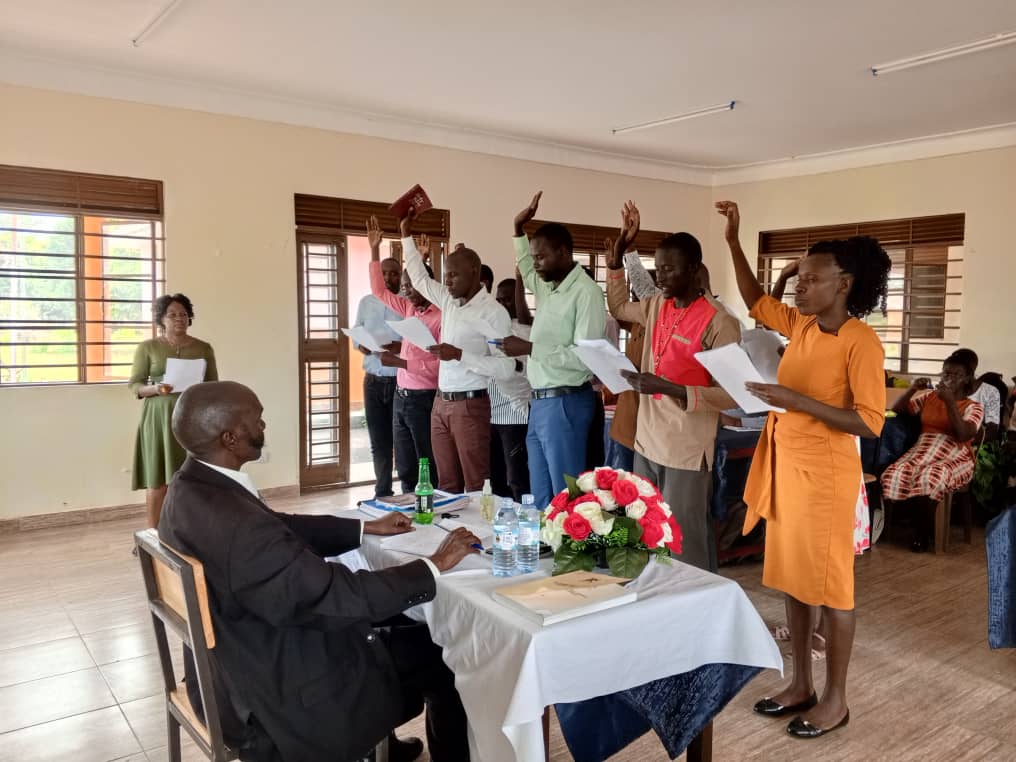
x=556, y=599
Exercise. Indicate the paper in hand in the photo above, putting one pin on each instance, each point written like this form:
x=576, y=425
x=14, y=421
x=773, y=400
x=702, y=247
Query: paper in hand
x=363, y=337
x=763, y=348
x=732, y=369
x=414, y=331
x=183, y=374
x=606, y=362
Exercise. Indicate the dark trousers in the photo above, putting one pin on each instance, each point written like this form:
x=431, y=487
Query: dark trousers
x=509, y=461
x=379, y=406
x=412, y=435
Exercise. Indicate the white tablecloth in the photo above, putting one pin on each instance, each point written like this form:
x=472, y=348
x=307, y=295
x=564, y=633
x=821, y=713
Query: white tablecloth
x=508, y=668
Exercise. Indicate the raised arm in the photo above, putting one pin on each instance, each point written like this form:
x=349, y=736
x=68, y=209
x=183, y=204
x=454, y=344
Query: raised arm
x=432, y=291
x=780, y=287
x=394, y=302
x=747, y=282
x=617, y=289
x=522, y=312
x=523, y=256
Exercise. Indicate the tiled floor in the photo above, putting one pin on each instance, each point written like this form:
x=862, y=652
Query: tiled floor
x=79, y=680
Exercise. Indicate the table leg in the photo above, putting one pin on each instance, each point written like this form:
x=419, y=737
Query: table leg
x=701, y=747
x=546, y=733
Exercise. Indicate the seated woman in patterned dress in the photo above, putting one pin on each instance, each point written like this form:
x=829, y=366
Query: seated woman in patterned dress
x=942, y=461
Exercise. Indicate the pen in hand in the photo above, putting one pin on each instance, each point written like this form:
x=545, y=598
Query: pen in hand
x=475, y=545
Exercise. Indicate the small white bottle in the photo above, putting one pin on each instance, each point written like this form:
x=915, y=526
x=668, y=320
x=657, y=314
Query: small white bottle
x=487, y=501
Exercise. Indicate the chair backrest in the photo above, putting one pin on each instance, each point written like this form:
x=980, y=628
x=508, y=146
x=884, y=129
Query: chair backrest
x=178, y=601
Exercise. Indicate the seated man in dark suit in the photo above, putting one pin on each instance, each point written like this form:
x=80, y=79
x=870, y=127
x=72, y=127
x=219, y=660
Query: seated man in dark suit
x=297, y=655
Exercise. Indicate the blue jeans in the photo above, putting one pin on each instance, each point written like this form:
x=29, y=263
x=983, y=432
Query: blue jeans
x=616, y=455
x=558, y=433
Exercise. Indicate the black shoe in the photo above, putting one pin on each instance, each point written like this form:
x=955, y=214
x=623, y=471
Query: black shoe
x=799, y=728
x=919, y=545
x=770, y=708
x=404, y=750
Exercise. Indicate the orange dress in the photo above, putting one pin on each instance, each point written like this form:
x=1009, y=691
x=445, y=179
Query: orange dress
x=804, y=476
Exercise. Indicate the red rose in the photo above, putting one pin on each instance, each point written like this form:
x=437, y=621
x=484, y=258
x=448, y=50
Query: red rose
x=675, y=544
x=558, y=504
x=606, y=478
x=652, y=531
x=624, y=491
x=654, y=513
x=576, y=527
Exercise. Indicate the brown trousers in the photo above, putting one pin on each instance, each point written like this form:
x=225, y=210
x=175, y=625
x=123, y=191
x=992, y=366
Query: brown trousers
x=460, y=438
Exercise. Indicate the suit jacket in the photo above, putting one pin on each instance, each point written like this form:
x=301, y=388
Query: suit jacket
x=294, y=641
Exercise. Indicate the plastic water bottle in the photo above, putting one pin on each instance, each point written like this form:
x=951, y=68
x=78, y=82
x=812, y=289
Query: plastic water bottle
x=506, y=530
x=529, y=535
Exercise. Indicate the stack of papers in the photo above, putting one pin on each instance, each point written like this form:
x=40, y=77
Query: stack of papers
x=558, y=599
x=183, y=374
x=606, y=362
x=425, y=540
x=407, y=503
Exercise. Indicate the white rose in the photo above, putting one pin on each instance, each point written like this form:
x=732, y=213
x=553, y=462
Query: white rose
x=665, y=508
x=553, y=531
x=587, y=482
x=668, y=535
x=606, y=497
x=645, y=488
x=636, y=510
x=593, y=513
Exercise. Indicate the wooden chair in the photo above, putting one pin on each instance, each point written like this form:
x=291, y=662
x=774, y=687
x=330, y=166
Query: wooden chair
x=178, y=600
x=943, y=519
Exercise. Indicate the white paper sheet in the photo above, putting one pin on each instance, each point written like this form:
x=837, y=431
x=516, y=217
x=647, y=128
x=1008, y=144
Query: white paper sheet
x=183, y=374
x=414, y=331
x=426, y=539
x=732, y=369
x=763, y=348
x=362, y=336
x=606, y=362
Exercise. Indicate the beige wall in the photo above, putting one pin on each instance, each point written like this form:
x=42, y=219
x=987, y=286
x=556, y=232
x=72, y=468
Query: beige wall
x=978, y=184
x=229, y=186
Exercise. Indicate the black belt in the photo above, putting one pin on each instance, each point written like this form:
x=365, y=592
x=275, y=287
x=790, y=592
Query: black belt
x=559, y=391
x=413, y=392
x=382, y=379
x=459, y=396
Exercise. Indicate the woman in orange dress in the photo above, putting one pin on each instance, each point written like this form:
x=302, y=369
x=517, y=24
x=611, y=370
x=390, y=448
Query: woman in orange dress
x=805, y=474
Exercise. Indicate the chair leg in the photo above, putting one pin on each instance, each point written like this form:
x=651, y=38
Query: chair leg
x=941, y=525
x=968, y=519
x=173, y=730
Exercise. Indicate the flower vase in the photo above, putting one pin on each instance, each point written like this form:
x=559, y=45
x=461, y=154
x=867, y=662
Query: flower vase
x=601, y=558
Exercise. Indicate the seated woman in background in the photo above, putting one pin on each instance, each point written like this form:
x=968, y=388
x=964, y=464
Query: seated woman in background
x=980, y=391
x=942, y=461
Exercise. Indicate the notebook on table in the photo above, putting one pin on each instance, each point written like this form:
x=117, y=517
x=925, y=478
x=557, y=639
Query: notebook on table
x=550, y=600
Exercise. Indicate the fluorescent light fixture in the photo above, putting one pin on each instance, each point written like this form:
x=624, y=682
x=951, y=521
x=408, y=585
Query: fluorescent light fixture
x=988, y=43
x=137, y=39
x=729, y=106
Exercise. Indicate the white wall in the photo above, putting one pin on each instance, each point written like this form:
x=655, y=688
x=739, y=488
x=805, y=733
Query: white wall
x=229, y=186
x=979, y=184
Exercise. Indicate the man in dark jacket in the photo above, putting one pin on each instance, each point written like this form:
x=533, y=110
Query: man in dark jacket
x=308, y=675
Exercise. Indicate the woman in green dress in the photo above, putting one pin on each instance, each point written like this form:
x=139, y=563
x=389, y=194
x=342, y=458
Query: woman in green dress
x=157, y=455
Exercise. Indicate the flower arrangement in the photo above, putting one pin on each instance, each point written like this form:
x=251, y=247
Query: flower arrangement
x=612, y=518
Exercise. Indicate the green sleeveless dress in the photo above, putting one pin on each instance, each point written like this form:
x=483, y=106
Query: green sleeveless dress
x=157, y=455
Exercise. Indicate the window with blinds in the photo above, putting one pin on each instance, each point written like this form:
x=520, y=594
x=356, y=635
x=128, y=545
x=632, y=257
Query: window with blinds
x=925, y=284
x=81, y=260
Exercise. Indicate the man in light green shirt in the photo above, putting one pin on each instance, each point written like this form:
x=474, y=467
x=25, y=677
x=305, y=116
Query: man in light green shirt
x=569, y=307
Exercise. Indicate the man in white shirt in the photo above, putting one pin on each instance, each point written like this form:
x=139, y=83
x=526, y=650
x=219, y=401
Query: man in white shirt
x=460, y=419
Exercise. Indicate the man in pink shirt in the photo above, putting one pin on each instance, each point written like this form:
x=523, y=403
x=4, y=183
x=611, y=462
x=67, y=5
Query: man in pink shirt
x=417, y=370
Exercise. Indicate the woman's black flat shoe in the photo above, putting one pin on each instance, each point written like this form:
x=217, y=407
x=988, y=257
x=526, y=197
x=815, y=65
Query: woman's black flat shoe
x=770, y=708
x=799, y=728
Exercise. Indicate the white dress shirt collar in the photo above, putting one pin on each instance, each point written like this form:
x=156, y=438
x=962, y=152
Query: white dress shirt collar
x=239, y=477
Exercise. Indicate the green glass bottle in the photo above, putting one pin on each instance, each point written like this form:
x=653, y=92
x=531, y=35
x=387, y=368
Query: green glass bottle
x=424, y=494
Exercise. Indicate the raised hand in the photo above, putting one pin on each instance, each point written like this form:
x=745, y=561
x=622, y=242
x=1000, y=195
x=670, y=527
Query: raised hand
x=423, y=246
x=527, y=214
x=456, y=546
x=374, y=234
x=406, y=223
x=729, y=210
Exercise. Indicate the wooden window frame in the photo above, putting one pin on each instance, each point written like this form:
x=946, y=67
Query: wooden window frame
x=904, y=239
x=91, y=201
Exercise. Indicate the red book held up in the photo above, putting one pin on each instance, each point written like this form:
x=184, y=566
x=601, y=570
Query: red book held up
x=415, y=198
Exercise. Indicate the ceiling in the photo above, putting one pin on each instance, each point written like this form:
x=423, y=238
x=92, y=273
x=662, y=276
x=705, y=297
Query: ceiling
x=556, y=75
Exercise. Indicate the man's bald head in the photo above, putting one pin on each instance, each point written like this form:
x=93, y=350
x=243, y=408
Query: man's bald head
x=462, y=273
x=220, y=422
